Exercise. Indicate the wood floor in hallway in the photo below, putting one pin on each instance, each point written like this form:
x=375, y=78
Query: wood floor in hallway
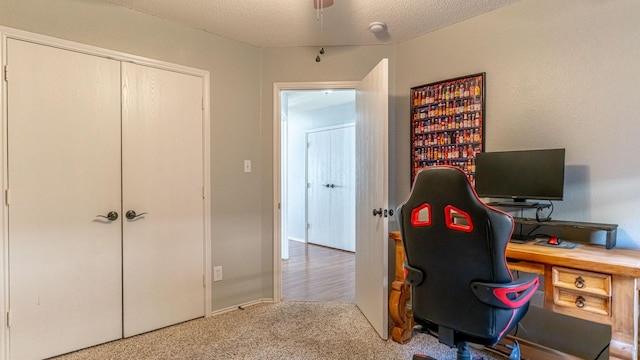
x=317, y=273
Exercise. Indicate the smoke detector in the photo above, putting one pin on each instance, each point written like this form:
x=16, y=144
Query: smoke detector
x=377, y=27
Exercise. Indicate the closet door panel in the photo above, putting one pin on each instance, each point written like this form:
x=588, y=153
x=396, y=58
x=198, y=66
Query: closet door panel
x=318, y=189
x=63, y=169
x=163, y=177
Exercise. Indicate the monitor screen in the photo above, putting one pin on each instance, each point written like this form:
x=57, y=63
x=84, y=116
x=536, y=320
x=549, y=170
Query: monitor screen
x=521, y=175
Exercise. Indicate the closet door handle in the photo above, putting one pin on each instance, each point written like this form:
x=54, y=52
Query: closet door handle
x=111, y=216
x=131, y=214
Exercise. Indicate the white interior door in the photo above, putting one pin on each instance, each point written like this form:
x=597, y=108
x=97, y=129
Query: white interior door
x=63, y=170
x=372, y=104
x=162, y=144
x=330, y=187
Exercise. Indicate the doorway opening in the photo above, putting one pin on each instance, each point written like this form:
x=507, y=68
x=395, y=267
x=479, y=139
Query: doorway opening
x=315, y=111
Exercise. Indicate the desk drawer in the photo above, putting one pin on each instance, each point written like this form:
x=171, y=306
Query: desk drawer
x=585, y=282
x=582, y=291
x=582, y=301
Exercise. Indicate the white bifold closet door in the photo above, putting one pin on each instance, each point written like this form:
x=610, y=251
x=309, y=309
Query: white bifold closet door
x=162, y=175
x=331, y=187
x=88, y=136
x=65, y=287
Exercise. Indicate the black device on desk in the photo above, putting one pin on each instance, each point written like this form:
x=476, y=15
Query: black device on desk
x=521, y=175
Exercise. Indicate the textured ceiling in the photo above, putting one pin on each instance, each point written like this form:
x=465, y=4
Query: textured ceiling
x=280, y=23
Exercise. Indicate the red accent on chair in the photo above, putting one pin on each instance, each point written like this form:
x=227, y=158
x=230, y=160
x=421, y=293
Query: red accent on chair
x=523, y=294
x=415, y=216
x=449, y=212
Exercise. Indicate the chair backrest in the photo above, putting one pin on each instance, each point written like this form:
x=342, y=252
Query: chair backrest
x=453, y=239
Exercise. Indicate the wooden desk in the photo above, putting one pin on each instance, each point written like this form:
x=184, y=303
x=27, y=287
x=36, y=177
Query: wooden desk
x=587, y=282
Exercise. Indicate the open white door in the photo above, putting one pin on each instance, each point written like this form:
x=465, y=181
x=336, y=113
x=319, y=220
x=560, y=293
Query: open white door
x=372, y=107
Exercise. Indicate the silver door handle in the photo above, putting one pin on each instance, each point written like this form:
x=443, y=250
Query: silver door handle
x=131, y=214
x=111, y=216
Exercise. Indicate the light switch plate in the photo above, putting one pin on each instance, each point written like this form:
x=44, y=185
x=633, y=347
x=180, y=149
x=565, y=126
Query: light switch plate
x=217, y=273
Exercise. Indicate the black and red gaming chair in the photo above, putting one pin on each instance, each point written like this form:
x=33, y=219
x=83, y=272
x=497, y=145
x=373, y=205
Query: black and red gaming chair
x=455, y=250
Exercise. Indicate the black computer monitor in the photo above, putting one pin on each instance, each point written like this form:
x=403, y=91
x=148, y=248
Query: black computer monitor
x=521, y=175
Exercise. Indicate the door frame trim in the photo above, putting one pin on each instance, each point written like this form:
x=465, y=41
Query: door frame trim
x=10, y=33
x=278, y=202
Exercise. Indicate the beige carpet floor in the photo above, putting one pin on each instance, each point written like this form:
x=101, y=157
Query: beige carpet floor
x=287, y=330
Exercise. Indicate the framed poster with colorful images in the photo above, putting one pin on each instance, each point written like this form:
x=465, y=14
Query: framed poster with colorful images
x=447, y=123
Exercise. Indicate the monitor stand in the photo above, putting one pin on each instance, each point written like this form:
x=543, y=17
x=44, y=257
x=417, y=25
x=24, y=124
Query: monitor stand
x=521, y=238
x=516, y=204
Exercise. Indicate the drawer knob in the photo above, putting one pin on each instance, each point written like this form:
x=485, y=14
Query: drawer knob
x=579, y=283
x=580, y=302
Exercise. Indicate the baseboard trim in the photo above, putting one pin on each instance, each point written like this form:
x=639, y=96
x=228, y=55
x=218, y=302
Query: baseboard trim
x=296, y=239
x=242, y=306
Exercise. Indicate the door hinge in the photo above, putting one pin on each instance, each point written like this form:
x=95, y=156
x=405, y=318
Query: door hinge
x=6, y=73
x=279, y=206
x=6, y=196
x=203, y=192
x=8, y=319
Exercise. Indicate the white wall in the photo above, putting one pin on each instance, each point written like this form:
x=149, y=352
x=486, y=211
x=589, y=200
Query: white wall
x=559, y=74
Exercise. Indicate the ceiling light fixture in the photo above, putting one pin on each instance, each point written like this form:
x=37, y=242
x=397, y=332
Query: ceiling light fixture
x=322, y=3
x=377, y=27
x=319, y=5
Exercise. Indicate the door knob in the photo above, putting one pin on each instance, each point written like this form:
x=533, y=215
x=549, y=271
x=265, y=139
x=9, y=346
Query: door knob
x=377, y=212
x=111, y=216
x=326, y=185
x=131, y=214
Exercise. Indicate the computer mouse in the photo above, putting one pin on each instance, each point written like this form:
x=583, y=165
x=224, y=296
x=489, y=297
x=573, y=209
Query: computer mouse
x=554, y=240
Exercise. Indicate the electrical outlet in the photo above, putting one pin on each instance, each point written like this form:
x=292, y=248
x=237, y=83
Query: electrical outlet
x=217, y=273
x=247, y=166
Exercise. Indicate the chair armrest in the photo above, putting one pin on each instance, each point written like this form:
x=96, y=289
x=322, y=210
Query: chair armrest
x=507, y=296
x=413, y=276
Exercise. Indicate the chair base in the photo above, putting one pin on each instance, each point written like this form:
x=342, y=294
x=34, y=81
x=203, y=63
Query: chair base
x=463, y=352
x=422, y=357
